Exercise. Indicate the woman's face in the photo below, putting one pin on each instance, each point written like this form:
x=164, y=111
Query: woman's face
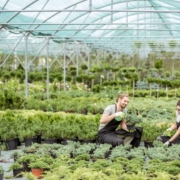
x=178, y=109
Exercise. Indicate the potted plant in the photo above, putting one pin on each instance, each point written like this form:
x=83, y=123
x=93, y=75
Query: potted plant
x=38, y=167
x=15, y=155
x=132, y=120
x=16, y=168
x=9, y=137
x=150, y=133
x=29, y=136
x=25, y=161
x=1, y=172
x=50, y=132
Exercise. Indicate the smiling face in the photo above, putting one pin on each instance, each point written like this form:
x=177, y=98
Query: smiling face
x=122, y=103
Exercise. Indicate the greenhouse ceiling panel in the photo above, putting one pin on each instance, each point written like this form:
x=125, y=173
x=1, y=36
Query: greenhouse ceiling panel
x=117, y=25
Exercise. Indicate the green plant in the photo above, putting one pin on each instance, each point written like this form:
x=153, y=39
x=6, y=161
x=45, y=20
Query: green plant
x=85, y=157
x=150, y=131
x=16, y=154
x=1, y=170
x=39, y=164
x=133, y=118
x=15, y=165
x=27, y=158
x=28, y=176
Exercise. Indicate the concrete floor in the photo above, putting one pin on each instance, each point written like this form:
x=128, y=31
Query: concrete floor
x=6, y=161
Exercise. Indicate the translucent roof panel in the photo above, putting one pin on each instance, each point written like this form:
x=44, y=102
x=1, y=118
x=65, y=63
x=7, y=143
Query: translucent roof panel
x=107, y=24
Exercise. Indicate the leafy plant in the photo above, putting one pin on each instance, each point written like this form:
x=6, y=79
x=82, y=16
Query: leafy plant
x=15, y=165
x=1, y=170
x=39, y=164
x=133, y=118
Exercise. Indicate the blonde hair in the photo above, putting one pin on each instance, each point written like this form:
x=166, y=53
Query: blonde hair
x=121, y=96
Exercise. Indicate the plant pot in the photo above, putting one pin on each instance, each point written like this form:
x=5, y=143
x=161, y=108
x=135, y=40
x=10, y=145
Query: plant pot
x=50, y=140
x=39, y=139
x=148, y=144
x=87, y=141
x=17, y=172
x=37, y=172
x=131, y=127
x=64, y=141
x=30, y=141
x=107, y=154
x=18, y=142
x=1, y=176
x=26, y=167
x=11, y=144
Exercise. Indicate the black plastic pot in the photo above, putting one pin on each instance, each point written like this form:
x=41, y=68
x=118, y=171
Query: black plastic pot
x=1, y=176
x=50, y=140
x=148, y=144
x=17, y=172
x=30, y=141
x=11, y=144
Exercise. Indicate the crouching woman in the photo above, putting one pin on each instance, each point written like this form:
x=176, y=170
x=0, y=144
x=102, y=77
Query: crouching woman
x=175, y=139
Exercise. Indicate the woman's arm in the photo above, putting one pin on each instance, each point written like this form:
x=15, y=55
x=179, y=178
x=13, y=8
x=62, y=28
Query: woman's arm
x=173, y=127
x=175, y=135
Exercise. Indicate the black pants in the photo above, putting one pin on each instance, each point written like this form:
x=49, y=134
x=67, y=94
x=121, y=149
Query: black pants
x=111, y=137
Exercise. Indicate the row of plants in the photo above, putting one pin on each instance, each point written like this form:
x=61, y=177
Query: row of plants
x=13, y=97
x=123, y=162
x=76, y=101
x=63, y=126
x=111, y=74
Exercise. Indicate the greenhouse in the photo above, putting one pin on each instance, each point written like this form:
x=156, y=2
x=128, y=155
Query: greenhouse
x=62, y=63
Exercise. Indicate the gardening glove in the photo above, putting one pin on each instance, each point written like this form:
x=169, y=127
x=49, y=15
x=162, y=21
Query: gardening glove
x=167, y=132
x=169, y=129
x=132, y=130
x=119, y=116
x=167, y=143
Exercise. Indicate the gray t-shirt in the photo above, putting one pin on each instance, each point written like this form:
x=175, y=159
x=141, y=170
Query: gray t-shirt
x=110, y=109
x=177, y=117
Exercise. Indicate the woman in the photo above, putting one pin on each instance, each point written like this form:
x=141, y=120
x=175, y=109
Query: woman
x=113, y=116
x=175, y=139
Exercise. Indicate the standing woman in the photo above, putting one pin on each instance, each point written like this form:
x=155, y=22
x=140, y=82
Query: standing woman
x=114, y=116
x=175, y=139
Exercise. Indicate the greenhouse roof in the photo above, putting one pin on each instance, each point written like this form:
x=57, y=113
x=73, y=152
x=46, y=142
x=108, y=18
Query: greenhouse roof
x=117, y=25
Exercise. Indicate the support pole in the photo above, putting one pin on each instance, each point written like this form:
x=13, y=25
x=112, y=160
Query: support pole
x=77, y=60
x=65, y=66
x=47, y=70
x=26, y=66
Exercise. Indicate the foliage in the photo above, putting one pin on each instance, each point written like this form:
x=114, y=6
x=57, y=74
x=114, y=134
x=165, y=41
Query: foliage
x=39, y=164
x=15, y=165
x=133, y=118
x=1, y=170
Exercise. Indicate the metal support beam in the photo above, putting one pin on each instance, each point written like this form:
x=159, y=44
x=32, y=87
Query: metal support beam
x=77, y=60
x=47, y=70
x=93, y=10
x=26, y=66
x=64, y=66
